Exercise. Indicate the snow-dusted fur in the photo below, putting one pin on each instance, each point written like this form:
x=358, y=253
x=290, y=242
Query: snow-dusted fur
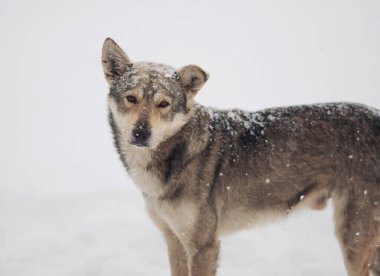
x=206, y=172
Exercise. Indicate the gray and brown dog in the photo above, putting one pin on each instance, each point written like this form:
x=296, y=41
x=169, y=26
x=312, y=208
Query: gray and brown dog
x=205, y=172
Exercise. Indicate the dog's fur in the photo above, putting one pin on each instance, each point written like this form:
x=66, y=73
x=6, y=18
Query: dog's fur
x=205, y=172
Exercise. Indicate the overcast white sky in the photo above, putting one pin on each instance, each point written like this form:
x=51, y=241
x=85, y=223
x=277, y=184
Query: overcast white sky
x=55, y=139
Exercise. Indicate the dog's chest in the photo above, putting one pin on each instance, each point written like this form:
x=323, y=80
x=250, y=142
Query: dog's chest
x=137, y=162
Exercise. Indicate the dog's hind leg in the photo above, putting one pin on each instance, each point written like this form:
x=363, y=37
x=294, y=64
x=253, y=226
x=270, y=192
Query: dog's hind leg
x=375, y=265
x=356, y=231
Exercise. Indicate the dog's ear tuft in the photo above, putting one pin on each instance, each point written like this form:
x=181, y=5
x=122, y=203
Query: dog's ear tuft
x=114, y=61
x=192, y=78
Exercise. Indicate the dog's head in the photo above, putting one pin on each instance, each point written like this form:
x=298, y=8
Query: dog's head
x=149, y=102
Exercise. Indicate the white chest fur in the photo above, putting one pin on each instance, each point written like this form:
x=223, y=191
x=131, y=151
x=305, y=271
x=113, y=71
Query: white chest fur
x=180, y=216
x=137, y=160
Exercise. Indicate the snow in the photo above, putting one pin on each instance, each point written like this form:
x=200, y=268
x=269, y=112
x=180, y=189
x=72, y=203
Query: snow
x=248, y=118
x=161, y=69
x=67, y=207
x=141, y=71
x=107, y=232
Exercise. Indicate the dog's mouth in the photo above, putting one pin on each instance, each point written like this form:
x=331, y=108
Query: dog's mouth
x=148, y=144
x=140, y=144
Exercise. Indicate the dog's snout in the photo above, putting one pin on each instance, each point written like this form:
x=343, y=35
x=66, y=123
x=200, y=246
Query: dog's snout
x=140, y=135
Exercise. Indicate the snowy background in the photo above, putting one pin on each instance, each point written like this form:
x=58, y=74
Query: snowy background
x=66, y=205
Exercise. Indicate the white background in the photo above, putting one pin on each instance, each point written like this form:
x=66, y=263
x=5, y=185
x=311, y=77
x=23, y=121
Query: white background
x=66, y=205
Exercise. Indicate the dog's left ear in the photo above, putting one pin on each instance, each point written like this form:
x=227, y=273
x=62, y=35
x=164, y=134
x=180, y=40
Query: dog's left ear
x=114, y=61
x=192, y=78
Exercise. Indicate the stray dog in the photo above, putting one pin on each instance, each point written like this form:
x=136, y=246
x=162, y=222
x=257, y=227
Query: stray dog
x=205, y=172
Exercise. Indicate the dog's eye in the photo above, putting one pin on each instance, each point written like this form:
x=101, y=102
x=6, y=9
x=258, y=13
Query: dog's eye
x=163, y=104
x=132, y=99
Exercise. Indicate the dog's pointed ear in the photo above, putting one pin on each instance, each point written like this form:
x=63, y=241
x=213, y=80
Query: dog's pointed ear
x=192, y=78
x=114, y=61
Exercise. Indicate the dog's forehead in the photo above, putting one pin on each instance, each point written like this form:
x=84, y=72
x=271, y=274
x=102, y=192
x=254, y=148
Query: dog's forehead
x=152, y=77
x=153, y=70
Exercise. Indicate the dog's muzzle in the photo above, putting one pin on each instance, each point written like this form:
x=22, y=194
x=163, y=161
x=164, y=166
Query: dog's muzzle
x=140, y=136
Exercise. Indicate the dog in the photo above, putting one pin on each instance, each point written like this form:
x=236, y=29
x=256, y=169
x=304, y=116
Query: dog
x=204, y=172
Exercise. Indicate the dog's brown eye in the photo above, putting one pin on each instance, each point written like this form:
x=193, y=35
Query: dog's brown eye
x=132, y=99
x=163, y=104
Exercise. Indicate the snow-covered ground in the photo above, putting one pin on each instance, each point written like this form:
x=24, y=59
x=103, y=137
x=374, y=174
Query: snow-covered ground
x=106, y=232
x=66, y=205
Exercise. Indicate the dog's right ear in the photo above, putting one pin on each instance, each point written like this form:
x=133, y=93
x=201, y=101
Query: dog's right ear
x=192, y=78
x=115, y=62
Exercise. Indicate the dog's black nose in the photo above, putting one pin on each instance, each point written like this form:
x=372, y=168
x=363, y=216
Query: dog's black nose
x=141, y=135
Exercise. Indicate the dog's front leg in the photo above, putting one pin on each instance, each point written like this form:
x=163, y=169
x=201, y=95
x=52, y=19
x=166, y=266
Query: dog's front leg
x=177, y=254
x=202, y=247
x=204, y=260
